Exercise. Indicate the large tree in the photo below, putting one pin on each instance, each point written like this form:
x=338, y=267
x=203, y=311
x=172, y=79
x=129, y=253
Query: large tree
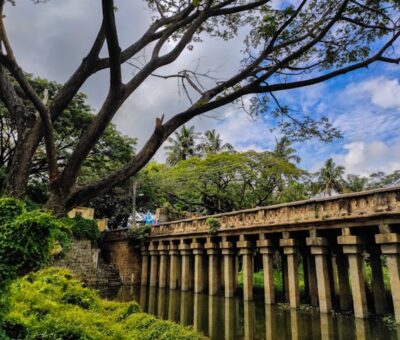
x=285, y=48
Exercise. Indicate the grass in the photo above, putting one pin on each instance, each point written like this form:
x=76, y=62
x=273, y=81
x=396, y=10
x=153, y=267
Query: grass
x=52, y=304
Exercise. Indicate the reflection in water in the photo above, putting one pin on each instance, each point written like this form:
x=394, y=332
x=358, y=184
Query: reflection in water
x=220, y=318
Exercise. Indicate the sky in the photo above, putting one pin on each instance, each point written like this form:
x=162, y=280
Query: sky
x=51, y=39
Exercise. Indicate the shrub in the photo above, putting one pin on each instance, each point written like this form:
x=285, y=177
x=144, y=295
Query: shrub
x=52, y=304
x=213, y=225
x=139, y=234
x=9, y=209
x=82, y=228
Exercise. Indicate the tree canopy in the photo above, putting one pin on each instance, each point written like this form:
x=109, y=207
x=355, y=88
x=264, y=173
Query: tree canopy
x=293, y=46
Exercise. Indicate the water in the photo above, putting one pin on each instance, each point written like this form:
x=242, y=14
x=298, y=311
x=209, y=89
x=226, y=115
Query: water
x=220, y=318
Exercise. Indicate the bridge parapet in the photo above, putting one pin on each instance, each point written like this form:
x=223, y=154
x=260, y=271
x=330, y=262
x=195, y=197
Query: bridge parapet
x=365, y=205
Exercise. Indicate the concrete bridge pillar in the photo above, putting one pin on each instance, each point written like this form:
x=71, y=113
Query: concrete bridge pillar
x=266, y=251
x=290, y=251
x=145, y=266
x=312, y=281
x=319, y=248
x=214, y=278
x=227, y=252
x=173, y=266
x=163, y=252
x=153, y=264
x=247, y=253
x=184, y=249
x=390, y=245
x=378, y=285
x=342, y=265
x=352, y=247
x=198, y=251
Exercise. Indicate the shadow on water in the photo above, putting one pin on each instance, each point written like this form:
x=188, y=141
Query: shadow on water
x=232, y=319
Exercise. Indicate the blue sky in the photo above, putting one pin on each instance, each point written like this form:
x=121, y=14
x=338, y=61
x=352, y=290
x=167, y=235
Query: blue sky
x=364, y=106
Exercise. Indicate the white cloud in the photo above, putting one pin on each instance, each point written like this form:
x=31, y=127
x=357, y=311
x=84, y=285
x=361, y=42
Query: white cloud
x=364, y=158
x=381, y=91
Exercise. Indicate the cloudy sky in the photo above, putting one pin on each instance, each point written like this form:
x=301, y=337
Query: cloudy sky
x=50, y=40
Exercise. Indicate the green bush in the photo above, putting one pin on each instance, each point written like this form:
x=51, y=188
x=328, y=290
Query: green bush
x=213, y=225
x=52, y=304
x=82, y=228
x=138, y=235
x=10, y=208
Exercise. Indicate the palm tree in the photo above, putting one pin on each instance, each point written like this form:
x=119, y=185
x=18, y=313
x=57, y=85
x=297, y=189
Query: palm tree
x=212, y=143
x=182, y=146
x=284, y=151
x=330, y=178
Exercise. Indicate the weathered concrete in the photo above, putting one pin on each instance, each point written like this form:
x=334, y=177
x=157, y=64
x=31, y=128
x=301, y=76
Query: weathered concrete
x=368, y=224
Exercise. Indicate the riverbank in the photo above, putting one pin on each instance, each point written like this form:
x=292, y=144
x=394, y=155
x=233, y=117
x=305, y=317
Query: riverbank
x=52, y=304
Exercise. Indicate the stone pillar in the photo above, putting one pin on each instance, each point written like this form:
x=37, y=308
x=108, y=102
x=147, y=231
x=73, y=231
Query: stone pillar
x=266, y=251
x=378, y=285
x=214, y=278
x=163, y=252
x=352, y=247
x=153, y=264
x=185, y=258
x=198, y=251
x=247, y=253
x=227, y=252
x=343, y=282
x=290, y=250
x=145, y=267
x=390, y=245
x=319, y=248
x=174, y=270
x=249, y=319
x=312, y=281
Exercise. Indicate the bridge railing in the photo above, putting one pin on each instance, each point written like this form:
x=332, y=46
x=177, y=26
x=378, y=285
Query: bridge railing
x=360, y=205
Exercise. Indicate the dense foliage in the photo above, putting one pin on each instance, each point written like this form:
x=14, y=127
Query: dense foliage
x=52, y=304
x=82, y=228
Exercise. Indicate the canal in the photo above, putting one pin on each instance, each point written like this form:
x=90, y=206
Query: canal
x=220, y=318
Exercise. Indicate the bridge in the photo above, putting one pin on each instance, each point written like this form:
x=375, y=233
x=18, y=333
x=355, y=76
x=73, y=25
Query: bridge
x=332, y=239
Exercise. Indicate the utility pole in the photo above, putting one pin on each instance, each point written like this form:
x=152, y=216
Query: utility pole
x=134, y=188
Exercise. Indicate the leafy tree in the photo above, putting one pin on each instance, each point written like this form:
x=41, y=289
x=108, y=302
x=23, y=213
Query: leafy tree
x=182, y=146
x=311, y=42
x=355, y=183
x=212, y=143
x=108, y=154
x=330, y=178
x=222, y=182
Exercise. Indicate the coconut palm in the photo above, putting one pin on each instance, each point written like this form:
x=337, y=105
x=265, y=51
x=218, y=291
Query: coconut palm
x=182, y=146
x=284, y=150
x=330, y=178
x=212, y=143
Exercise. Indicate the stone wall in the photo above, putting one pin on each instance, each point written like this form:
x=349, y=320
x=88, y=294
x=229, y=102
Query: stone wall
x=85, y=261
x=125, y=258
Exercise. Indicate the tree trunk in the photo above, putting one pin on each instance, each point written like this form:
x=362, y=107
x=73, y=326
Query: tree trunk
x=18, y=176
